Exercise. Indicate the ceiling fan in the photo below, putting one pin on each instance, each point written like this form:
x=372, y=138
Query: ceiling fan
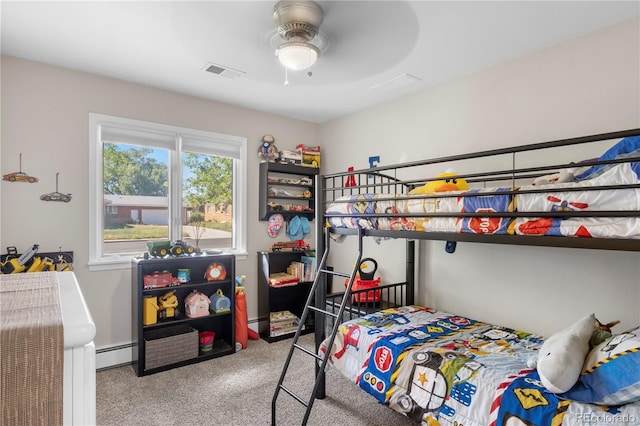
x=298, y=24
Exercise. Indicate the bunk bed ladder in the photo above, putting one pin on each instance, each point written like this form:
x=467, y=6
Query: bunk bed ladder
x=320, y=361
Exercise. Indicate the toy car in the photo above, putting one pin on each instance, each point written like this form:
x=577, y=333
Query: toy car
x=157, y=280
x=162, y=248
x=19, y=177
x=158, y=248
x=56, y=196
x=291, y=157
x=296, y=245
x=179, y=248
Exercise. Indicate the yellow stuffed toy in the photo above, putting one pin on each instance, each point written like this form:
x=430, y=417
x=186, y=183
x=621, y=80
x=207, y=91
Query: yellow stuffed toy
x=449, y=182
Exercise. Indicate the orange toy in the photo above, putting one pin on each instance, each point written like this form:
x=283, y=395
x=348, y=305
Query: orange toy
x=241, y=319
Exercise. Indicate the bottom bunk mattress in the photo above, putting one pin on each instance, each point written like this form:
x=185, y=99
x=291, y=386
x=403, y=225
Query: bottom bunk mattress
x=443, y=369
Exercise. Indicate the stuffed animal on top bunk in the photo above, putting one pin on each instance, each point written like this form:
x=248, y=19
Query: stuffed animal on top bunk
x=564, y=175
x=447, y=181
x=586, y=362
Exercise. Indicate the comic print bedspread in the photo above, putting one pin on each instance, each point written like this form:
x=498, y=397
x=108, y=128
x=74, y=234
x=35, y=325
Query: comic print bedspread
x=444, y=369
x=578, y=197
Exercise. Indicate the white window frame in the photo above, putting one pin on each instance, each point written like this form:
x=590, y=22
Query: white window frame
x=174, y=139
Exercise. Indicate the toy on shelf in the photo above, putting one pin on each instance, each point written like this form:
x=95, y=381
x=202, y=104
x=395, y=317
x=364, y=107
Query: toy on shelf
x=15, y=265
x=41, y=264
x=219, y=302
x=158, y=248
x=150, y=310
x=268, y=150
x=296, y=245
x=291, y=157
x=184, y=275
x=33, y=260
x=180, y=247
x=310, y=155
x=159, y=280
x=215, y=272
x=162, y=248
x=168, y=304
x=196, y=304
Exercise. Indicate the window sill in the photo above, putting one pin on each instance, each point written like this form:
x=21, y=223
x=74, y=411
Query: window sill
x=110, y=264
x=123, y=262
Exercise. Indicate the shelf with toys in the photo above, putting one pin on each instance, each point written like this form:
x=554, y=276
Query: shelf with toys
x=283, y=287
x=287, y=189
x=183, y=310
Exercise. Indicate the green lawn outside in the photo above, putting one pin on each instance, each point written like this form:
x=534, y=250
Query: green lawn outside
x=140, y=232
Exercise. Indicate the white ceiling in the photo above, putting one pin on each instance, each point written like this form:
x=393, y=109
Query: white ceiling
x=166, y=44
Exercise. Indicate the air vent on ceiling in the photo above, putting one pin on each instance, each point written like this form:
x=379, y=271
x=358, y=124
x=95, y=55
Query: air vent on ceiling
x=223, y=71
x=396, y=83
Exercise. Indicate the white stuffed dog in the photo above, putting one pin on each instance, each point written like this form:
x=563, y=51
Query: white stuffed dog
x=562, y=355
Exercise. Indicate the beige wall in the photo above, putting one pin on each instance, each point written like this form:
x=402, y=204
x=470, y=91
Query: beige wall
x=585, y=86
x=581, y=87
x=45, y=116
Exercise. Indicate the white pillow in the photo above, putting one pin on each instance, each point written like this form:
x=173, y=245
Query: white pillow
x=561, y=356
x=611, y=372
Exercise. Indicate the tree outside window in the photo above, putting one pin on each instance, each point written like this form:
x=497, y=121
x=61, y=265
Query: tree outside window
x=156, y=182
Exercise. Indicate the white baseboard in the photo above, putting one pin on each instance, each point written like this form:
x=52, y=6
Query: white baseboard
x=114, y=356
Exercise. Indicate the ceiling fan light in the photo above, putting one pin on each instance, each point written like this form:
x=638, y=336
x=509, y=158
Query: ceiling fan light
x=297, y=55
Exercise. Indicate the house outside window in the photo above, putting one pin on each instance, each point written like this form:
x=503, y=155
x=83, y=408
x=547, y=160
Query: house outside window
x=153, y=181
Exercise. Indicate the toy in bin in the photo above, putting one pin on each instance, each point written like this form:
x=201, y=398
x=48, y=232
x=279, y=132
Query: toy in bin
x=220, y=302
x=196, y=304
x=364, y=280
x=206, y=340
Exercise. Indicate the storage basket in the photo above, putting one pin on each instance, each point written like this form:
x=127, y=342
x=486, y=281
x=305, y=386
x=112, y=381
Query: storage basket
x=168, y=345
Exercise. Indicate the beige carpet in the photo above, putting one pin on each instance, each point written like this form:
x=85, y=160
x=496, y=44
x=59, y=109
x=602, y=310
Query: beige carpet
x=234, y=390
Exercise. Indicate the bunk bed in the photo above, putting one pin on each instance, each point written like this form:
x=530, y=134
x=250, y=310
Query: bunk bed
x=442, y=368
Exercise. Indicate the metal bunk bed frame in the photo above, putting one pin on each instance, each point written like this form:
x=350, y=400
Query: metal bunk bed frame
x=316, y=303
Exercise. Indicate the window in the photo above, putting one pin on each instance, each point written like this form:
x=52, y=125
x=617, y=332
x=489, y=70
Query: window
x=154, y=181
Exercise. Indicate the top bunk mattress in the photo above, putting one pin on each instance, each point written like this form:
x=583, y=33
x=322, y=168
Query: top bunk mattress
x=596, y=203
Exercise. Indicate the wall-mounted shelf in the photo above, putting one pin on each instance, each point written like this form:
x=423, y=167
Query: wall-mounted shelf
x=286, y=189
